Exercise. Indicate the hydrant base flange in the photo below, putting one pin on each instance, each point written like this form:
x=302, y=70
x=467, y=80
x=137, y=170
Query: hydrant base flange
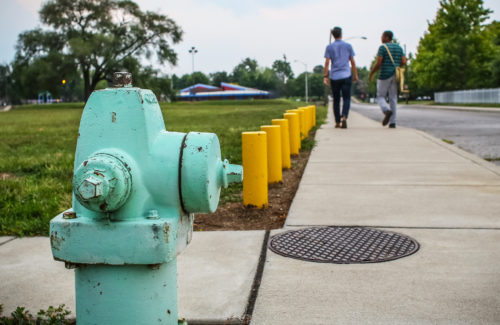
x=137, y=241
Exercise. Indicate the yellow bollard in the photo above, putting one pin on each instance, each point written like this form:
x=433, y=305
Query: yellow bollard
x=311, y=118
x=300, y=114
x=308, y=111
x=303, y=123
x=314, y=114
x=294, y=130
x=274, y=172
x=285, y=142
x=295, y=111
x=311, y=122
x=254, y=156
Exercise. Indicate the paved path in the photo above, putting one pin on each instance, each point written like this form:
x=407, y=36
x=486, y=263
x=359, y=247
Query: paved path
x=477, y=131
x=408, y=182
x=216, y=273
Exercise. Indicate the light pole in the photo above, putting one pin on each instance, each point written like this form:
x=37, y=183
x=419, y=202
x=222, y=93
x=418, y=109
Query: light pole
x=305, y=67
x=193, y=51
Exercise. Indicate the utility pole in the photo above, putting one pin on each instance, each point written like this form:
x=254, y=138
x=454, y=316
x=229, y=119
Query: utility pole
x=193, y=51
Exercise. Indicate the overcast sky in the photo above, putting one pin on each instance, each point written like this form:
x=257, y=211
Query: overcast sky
x=227, y=31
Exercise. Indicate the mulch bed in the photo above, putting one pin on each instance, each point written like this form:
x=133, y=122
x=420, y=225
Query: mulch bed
x=234, y=216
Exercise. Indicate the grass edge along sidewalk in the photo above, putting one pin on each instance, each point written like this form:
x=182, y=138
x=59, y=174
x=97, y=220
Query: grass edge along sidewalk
x=38, y=145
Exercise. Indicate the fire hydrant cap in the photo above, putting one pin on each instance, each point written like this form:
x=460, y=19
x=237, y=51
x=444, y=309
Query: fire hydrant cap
x=102, y=183
x=203, y=173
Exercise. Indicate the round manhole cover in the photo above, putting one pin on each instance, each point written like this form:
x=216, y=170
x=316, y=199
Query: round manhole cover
x=343, y=245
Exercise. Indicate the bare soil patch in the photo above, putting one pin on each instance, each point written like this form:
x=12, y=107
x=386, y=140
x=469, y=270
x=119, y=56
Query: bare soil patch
x=235, y=216
x=5, y=176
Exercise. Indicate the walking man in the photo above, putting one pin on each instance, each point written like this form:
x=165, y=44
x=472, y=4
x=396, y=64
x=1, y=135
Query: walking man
x=390, y=55
x=340, y=53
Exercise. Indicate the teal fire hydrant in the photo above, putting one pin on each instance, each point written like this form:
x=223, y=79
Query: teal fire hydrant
x=135, y=190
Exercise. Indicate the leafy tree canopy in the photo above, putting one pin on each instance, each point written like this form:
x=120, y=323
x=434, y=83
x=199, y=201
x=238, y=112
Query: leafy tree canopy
x=457, y=50
x=96, y=37
x=283, y=69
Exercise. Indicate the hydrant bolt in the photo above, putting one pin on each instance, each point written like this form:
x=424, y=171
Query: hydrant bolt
x=91, y=188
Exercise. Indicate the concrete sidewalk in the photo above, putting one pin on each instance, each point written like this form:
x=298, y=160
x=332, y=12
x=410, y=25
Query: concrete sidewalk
x=412, y=183
x=216, y=273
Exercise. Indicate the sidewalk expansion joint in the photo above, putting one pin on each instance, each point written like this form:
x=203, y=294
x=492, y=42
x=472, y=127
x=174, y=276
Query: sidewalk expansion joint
x=8, y=241
x=247, y=317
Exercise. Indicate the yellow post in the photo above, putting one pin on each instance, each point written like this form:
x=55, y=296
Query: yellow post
x=300, y=114
x=308, y=112
x=274, y=172
x=311, y=118
x=254, y=156
x=285, y=142
x=295, y=111
x=303, y=122
x=294, y=130
x=314, y=114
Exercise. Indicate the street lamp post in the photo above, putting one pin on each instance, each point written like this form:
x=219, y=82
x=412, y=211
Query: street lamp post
x=305, y=67
x=193, y=51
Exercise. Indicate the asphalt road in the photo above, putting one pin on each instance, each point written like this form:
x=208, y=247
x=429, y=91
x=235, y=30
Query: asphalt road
x=477, y=132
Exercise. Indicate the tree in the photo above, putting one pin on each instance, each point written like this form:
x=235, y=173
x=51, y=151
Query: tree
x=493, y=32
x=43, y=73
x=149, y=78
x=455, y=53
x=198, y=77
x=316, y=85
x=283, y=69
x=189, y=79
x=318, y=69
x=245, y=67
x=97, y=36
x=7, y=94
x=217, y=77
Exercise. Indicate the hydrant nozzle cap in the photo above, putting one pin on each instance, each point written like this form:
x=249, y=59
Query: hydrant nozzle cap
x=232, y=173
x=122, y=79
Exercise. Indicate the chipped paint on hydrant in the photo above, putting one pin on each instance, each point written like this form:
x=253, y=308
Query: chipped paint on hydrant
x=136, y=188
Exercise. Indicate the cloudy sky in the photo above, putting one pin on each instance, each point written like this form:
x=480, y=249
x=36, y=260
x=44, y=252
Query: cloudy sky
x=226, y=31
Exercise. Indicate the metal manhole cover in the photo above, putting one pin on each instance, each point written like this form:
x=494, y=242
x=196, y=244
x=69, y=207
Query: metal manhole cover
x=343, y=245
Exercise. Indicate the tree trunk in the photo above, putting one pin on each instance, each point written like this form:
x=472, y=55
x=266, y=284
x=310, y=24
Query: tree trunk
x=95, y=80
x=87, y=87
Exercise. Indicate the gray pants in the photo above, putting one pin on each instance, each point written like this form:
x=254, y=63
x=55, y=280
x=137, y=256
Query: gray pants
x=384, y=87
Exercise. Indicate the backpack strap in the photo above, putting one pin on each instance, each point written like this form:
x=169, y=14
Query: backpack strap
x=390, y=55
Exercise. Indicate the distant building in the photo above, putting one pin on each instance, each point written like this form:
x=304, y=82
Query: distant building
x=225, y=91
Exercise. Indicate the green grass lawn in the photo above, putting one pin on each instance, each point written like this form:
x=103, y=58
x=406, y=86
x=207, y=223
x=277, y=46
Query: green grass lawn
x=37, y=144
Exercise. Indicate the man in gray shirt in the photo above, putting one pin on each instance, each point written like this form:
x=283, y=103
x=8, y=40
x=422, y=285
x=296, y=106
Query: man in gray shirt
x=340, y=53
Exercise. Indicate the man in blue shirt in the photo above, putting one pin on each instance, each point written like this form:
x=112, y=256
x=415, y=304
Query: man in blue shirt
x=340, y=53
